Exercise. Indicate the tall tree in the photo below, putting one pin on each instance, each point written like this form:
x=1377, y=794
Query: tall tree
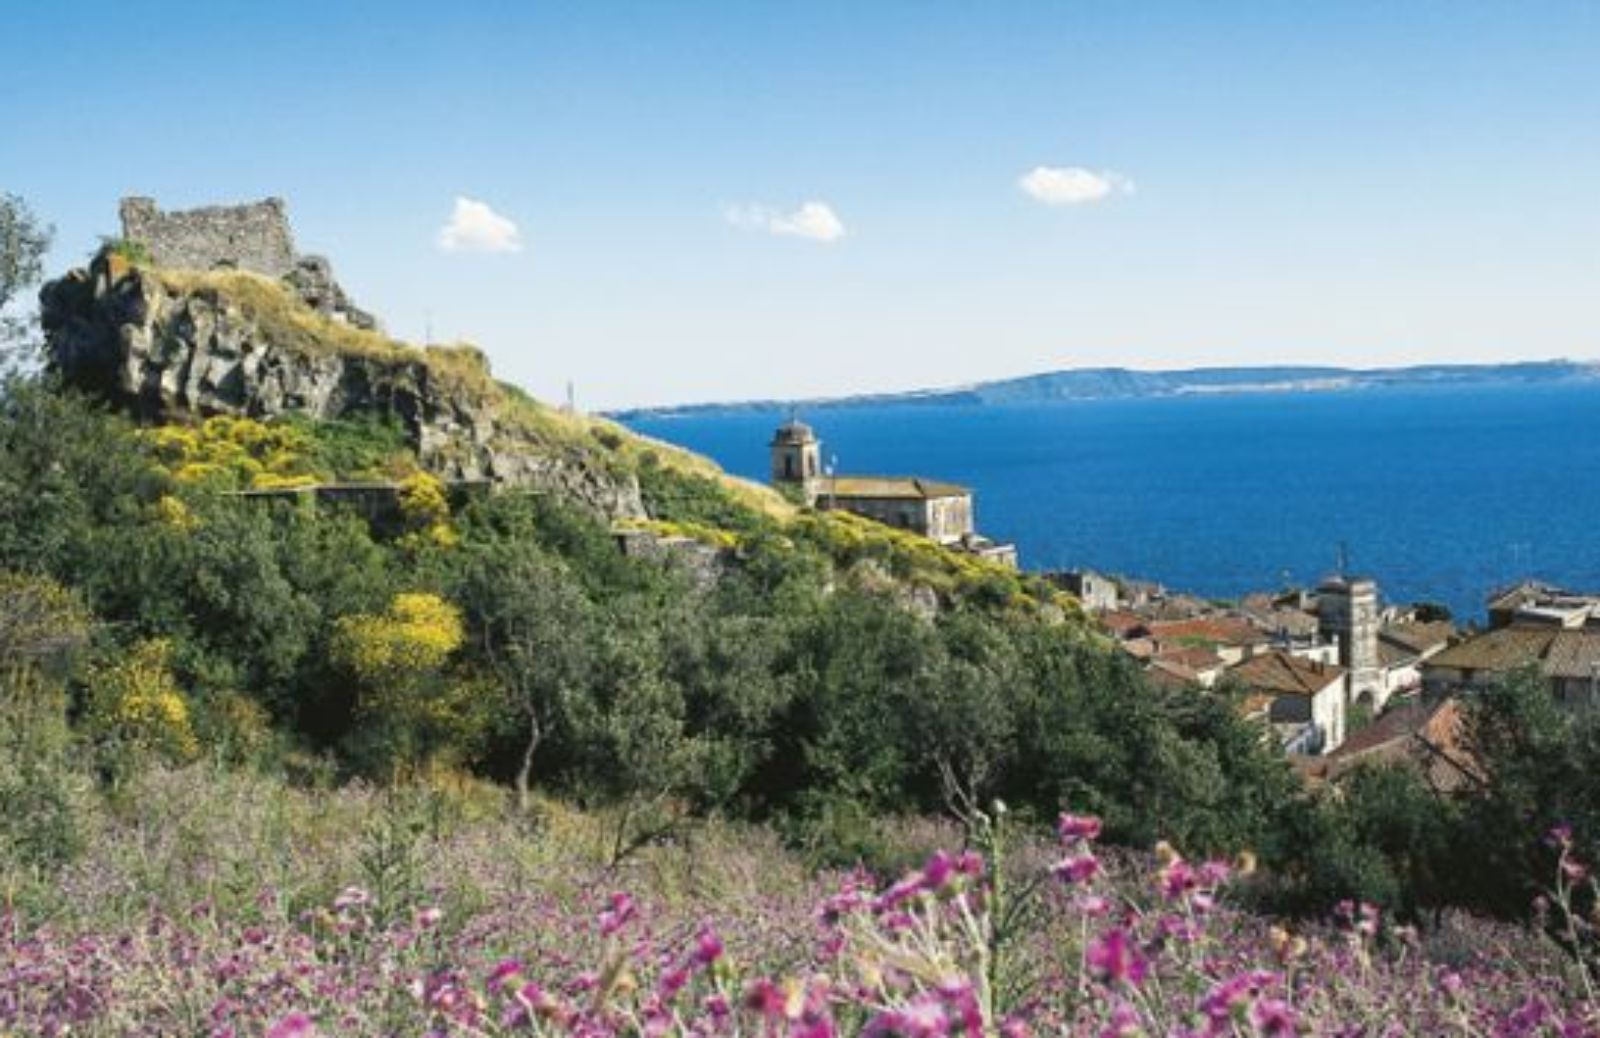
x=23, y=242
x=536, y=630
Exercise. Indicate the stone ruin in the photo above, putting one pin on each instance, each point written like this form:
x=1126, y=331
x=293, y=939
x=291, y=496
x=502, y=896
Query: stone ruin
x=253, y=237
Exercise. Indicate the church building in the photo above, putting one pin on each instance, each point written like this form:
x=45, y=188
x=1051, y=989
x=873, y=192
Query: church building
x=939, y=511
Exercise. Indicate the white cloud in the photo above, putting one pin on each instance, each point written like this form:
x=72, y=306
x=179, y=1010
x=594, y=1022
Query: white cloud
x=474, y=227
x=1073, y=185
x=814, y=220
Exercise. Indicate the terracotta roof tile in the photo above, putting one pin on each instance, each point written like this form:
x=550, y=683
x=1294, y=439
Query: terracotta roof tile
x=1217, y=630
x=1196, y=658
x=1282, y=674
x=1418, y=637
x=911, y=488
x=1506, y=648
x=1121, y=622
x=1429, y=737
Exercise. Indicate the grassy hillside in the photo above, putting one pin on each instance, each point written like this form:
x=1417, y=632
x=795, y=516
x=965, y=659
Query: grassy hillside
x=462, y=369
x=684, y=491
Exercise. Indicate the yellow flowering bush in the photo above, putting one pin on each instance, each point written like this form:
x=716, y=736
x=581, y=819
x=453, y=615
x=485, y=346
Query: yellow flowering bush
x=426, y=510
x=234, y=452
x=172, y=512
x=399, y=659
x=710, y=535
x=417, y=633
x=38, y=619
x=848, y=538
x=135, y=702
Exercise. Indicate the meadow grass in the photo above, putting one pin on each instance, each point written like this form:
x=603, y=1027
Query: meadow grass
x=220, y=902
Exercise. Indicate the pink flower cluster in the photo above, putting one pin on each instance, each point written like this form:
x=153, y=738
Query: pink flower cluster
x=1078, y=943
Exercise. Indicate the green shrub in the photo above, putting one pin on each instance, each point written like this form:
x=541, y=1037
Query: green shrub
x=40, y=826
x=128, y=249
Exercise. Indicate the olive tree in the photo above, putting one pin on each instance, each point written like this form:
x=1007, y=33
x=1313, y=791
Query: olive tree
x=535, y=629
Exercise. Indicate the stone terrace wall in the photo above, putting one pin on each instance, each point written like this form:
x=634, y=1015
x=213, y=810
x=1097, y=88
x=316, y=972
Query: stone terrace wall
x=252, y=237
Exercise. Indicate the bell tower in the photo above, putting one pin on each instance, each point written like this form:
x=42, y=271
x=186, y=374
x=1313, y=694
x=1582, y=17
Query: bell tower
x=1347, y=611
x=797, y=459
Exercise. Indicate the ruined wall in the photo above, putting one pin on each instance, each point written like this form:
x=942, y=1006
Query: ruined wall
x=252, y=237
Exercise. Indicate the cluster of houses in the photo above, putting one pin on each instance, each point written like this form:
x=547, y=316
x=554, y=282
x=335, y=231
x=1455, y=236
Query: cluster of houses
x=1336, y=677
x=1531, y=626
x=1309, y=664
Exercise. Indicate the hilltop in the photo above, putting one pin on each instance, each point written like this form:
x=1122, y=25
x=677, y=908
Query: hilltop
x=175, y=347
x=1077, y=384
x=172, y=345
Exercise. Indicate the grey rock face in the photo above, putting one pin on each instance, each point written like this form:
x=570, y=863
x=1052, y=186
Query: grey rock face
x=120, y=332
x=703, y=564
x=312, y=278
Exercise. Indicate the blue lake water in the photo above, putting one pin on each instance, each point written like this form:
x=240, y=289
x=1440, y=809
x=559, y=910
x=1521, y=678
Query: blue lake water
x=1440, y=493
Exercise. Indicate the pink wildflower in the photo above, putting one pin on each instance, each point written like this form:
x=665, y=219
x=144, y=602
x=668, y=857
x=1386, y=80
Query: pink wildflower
x=970, y=864
x=1176, y=879
x=1093, y=905
x=707, y=947
x=1273, y=1019
x=1014, y=1026
x=503, y=973
x=765, y=998
x=1079, y=868
x=1123, y=1023
x=295, y=1025
x=938, y=871
x=1114, y=958
x=351, y=897
x=1078, y=827
x=618, y=915
x=671, y=983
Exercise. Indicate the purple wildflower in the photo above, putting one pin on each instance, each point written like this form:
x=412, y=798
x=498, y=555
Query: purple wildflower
x=1073, y=827
x=295, y=1025
x=1079, y=868
x=1114, y=958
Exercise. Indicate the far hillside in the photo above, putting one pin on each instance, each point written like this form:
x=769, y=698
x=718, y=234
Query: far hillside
x=1125, y=383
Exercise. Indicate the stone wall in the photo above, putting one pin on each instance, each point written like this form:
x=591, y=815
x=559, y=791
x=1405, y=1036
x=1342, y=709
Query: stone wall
x=252, y=237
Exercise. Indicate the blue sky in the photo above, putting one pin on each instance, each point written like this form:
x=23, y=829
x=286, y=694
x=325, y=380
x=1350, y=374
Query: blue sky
x=721, y=200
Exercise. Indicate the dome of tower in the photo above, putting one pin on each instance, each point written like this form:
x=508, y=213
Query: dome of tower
x=793, y=431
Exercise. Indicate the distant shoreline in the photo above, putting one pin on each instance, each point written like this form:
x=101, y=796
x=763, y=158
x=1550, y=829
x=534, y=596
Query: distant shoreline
x=1084, y=384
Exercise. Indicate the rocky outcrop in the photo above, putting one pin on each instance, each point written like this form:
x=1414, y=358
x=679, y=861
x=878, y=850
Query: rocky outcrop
x=254, y=237
x=173, y=349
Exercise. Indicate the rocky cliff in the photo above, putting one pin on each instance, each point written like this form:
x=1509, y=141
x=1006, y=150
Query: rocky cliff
x=176, y=345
